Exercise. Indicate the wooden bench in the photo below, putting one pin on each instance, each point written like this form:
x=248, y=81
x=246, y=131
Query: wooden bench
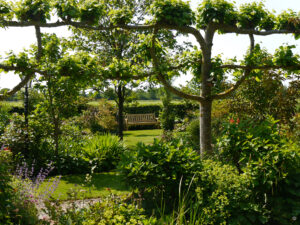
x=140, y=119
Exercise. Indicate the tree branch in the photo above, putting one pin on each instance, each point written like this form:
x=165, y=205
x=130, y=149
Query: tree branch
x=17, y=87
x=242, y=79
x=264, y=67
x=162, y=79
x=23, y=82
x=39, y=42
x=233, y=29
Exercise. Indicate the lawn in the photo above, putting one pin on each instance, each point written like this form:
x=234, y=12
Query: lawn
x=12, y=103
x=132, y=137
x=75, y=186
x=102, y=184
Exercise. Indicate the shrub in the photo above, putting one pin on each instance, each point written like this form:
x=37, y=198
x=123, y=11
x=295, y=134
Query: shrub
x=40, y=146
x=167, y=116
x=247, y=140
x=6, y=191
x=100, y=119
x=15, y=206
x=156, y=170
x=4, y=117
x=105, y=150
x=224, y=197
x=111, y=210
x=275, y=181
x=193, y=132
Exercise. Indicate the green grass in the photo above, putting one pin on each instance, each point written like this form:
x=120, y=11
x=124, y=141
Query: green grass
x=132, y=137
x=102, y=185
x=12, y=103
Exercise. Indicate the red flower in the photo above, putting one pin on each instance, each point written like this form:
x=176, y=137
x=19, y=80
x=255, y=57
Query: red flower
x=231, y=121
x=238, y=121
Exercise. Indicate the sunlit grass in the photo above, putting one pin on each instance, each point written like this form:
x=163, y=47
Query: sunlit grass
x=132, y=137
x=102, y=184
x=11, y=103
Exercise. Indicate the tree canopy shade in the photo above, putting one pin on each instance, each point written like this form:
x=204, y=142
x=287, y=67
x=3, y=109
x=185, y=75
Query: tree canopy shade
x=161, y=60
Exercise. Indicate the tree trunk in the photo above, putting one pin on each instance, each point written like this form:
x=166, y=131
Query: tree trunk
x=121, y=92
x=26, y=113
x=205, y=127
x=206, y=88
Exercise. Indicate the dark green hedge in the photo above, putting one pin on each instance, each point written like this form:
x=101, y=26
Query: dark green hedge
x=180, y=109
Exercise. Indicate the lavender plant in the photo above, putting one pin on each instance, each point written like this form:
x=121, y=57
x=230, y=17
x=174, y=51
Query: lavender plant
x=30, y=186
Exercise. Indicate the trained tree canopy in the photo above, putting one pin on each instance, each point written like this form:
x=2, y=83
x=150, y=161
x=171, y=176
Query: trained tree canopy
x=162, y=61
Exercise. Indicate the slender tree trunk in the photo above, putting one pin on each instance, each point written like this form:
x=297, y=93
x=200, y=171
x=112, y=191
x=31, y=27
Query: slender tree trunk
x=55, y=121
x=26, y=113
x=56, y=134
x=205, y=127
x=121, y=99
x=206, y=88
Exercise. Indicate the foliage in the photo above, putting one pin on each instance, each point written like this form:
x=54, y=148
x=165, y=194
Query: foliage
x=193, y=133
x=33, y=10
x=111, y=210
x=244, y=140
x=105, y=150
x=218, y=11
x=4, y=117
x=15, y=208
x=168, y=11
x=156, y=170
x=6, y=190
x=166, y=116
x=101, y=118
x=224, y=197
x=266, y=95
x=253, y=15
x=275, y=183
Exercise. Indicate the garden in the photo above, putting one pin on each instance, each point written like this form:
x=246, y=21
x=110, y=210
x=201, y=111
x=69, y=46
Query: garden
x=223, y=148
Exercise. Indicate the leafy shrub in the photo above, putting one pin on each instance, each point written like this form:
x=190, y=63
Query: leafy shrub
x=6, y=191
x=40, y=147
x=111, y=210
x=275, y=181
x=15, y=208
x=100, y=119
x=156, y=170
x=4, y=117
x=225, y=197
x=257, y=149
x=105, y=150
x=246, y=140
x=167, y=116
x=193, y=131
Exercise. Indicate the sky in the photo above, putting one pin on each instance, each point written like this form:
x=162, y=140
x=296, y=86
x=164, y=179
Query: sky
x=230, y=45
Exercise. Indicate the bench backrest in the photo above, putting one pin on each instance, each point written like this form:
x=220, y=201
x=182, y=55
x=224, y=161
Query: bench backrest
x=135, y=118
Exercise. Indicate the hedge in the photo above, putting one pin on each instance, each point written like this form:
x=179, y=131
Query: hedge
x=180, y=109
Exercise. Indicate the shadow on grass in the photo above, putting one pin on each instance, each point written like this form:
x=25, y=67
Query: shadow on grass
x=100, y=182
